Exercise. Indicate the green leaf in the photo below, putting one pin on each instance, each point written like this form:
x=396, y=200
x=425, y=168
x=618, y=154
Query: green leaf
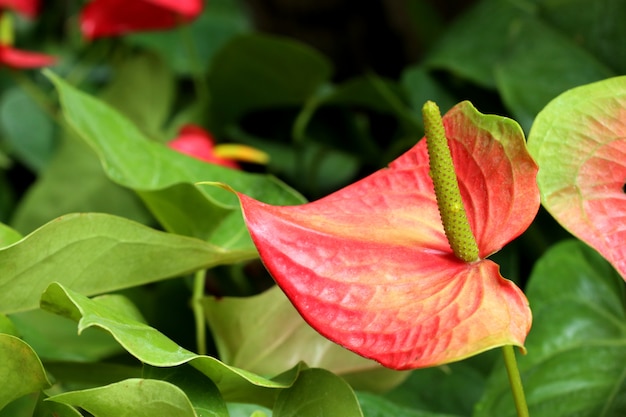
x=527, y=81
x=201, y=391
x=28, y=130
x=131, y=398
x=258, y=72
x=474, y=44
x=21, y=371
x=147, y=166
x=54, y=338
x=8, y=236
x=50, y=408
x=95, y=253
x=74, y=181
x=317, y=393
x=265, y=334
x=576, y=346
x=149, y=100
x=375, y=406
x=596, y=26
x=155, y=349
x=186, y=48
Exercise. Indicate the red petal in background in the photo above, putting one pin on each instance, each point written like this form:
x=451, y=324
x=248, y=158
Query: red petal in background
x=195, y=141
x=101, y=18
x=29, y=8
x=370, y=268
x=19, y=59
x=579, y=141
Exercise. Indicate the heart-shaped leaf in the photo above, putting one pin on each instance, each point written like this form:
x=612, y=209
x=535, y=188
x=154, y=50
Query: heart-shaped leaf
x=264, y=334
x=579, y=142
x=370, y=267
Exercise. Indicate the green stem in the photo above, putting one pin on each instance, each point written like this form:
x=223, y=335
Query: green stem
x=198, y=311
x=515, y=381
x=200, y=84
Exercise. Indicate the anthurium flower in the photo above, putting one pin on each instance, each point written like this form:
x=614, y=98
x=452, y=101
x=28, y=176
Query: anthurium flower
x=194, y=141
x=16, y=58
x=370, y=267
x=579, y=142
x=28, y=8
x=102, y=18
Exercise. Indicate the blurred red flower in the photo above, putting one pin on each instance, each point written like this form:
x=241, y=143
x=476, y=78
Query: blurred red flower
x=103, y=18
x=16, y=58
x=29, y=8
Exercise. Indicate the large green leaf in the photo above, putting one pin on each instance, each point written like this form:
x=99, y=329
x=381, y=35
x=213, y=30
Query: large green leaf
x=577, y=346
x=317, y=393
x=155, y=349
x=527, y=82
x=21, y=371
x=265, y=334
x=8, y=236
x=95, y=253
x=150, y=168
x=259, y=71
x=597, y=26
x=375, y=406
x=474, y=44
x=149, y=100
x=74, y=181
x=131, y=398
x=27, y=129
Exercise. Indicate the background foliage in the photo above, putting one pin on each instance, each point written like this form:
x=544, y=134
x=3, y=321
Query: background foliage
x=332, y=91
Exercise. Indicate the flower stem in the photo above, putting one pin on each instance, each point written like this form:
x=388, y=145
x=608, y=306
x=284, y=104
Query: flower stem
x=515, y=381
x=198, y=311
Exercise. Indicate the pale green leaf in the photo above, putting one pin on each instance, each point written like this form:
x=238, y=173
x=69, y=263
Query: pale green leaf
x=153, y=348
x=96, y=253
x=131, y=398
x=21, y=371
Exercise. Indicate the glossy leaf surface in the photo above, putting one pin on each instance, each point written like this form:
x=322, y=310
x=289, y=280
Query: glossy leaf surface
x=317, y=392
x=166, y=179
x=154, y=348
x=21, y=371
x=131, y=397
x=579, y=142
x=265, y=334
x=576, y=355
x=95, y=253
x=370, y=268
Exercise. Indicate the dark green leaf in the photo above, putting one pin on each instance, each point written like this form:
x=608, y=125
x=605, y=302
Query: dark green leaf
x=258, y=71
x=29, y=131
x=375, y=406
x=576, y=348
x=317, y=393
